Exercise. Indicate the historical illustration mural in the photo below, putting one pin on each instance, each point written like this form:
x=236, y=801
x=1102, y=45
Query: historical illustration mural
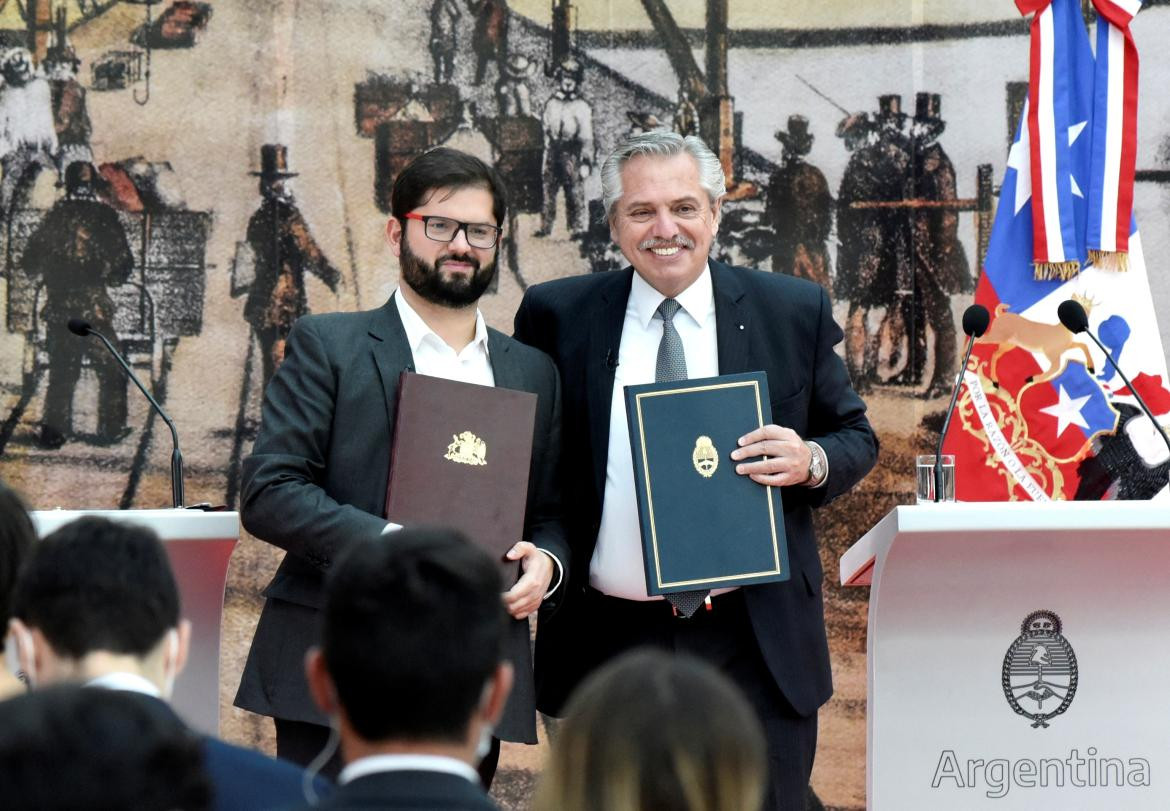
x=188, y=178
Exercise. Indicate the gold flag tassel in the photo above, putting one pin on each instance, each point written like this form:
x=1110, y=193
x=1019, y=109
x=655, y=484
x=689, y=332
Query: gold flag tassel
x=1117, y=261
x=1047, y=271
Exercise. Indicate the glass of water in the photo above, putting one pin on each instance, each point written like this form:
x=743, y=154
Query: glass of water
x=925, y=476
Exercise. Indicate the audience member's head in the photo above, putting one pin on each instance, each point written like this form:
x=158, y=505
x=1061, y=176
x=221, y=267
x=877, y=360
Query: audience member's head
x=652, y=731
x=98, y=597
x=64, y=748
x=16, y=538
x=411, y=655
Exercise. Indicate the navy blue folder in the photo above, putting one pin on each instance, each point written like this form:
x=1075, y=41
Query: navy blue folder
x=704, y=526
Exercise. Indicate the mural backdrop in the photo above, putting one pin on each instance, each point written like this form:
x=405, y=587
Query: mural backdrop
x=190, y=177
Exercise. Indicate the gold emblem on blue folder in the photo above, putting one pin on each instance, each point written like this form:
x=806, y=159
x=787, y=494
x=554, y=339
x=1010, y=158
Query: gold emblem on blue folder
x=705, y=457
x=467, y=449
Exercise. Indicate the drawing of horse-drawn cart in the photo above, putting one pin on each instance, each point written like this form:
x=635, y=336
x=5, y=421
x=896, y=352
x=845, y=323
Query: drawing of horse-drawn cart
x=160, y=303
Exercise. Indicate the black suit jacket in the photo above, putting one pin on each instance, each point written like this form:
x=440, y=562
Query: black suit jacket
x=770, y=322
x=408, y=791
x=317, y=477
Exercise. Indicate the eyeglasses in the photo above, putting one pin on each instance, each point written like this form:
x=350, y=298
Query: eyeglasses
x=444, y=229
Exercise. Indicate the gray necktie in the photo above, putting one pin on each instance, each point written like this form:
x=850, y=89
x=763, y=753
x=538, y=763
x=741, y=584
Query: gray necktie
x=672, y=365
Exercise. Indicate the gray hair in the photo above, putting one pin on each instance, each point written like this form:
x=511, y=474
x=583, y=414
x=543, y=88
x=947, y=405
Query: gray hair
x=662, y=144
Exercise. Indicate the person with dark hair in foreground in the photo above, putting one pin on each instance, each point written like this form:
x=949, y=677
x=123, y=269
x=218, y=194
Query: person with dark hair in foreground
x=411, y=670
x=66, y=748
x=316, y=479
x=16, y=538
x=97, y=604
x=652, y=731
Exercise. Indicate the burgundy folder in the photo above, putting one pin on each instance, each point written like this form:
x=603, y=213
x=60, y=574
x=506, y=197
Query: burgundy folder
x=460, y=458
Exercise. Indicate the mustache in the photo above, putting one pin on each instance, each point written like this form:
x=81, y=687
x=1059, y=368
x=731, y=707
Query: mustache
x=462, y=257
x=678, y=240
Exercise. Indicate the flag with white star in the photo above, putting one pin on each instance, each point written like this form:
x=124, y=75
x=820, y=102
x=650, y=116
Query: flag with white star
x=1039, y=402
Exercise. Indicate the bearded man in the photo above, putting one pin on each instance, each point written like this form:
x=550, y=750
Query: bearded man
x=316, y=479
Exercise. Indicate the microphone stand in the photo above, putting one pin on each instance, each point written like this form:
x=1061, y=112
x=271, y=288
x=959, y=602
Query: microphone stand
x=938, y=470
x=176, y=456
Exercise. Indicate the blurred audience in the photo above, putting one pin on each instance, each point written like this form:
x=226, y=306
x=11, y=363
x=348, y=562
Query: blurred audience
x=66, y=748
x=411, y=670
x=16, y=538
x=653, y=731
x=97, y=604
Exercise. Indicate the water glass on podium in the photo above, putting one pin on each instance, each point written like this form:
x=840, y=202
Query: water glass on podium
x=925, y=477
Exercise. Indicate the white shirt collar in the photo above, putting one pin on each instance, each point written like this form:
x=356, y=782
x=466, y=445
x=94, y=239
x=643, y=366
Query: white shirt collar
x=697, y=301
x=406, y=762
x=130, y=682
x=417, y=330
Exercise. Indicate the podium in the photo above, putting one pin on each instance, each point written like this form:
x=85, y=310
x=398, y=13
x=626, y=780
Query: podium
x=1017, y=655
x=199, y=545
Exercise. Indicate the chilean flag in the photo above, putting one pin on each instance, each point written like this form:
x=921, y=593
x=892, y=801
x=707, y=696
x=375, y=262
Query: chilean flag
x=1040, y=403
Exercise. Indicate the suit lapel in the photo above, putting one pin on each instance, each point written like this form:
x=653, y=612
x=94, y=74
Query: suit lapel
x=733, y=326
x=605, y=337
x=505, y=370
x=391, y=351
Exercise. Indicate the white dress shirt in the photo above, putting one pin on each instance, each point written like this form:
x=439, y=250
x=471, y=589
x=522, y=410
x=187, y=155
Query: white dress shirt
x=617, y=567
x=375, y=764
x=432, y=355
x=472, y=364
x=122, y=680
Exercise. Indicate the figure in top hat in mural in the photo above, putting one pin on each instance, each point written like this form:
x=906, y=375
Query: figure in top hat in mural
x=873, y=243
x=70, y=112
x=76, y=252
x=283, y=249
x=445, y=16
x=939, y=261
x=799, y=208
x=568, y=148
x=512, y=93
x=490, y=38
x=686, y=114
x=28, y=138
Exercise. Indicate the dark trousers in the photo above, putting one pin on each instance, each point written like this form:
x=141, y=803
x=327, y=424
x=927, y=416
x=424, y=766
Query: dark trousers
x=300, y=742
x=66, y=352
x=723, y=637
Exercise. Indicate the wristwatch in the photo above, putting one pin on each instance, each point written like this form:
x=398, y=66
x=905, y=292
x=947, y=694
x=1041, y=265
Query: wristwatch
x=818, y=466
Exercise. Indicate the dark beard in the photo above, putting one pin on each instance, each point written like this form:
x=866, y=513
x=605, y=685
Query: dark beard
x=432, y=286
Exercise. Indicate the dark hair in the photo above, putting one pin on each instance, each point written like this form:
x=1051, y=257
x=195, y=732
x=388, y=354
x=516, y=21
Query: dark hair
x=652, y=730
x=413, y=629
x=69, y=747
x=16, y=537
x=445, y=168
x=96, y=584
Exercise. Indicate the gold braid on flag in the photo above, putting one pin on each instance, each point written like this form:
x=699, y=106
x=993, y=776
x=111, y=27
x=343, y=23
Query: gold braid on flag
x=1047, y=271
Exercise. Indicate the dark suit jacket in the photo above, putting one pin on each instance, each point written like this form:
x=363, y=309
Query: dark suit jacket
x=409, y=791
x=770, y=322
x=243, y=778
x=317, y=477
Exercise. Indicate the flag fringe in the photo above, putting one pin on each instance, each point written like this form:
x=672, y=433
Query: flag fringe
x=1117, y=261
x=1047, y=271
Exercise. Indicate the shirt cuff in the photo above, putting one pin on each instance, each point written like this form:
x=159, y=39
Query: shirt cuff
x=560, y=574
x=825, y=457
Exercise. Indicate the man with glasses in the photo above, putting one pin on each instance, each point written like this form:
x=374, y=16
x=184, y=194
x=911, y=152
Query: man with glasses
x=316, y=479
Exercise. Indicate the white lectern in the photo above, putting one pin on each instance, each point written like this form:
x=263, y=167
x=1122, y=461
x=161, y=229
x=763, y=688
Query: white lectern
x=199, y=545
x=1018, y=655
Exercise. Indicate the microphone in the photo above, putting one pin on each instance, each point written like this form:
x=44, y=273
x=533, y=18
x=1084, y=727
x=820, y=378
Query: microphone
x=975, y=321
x=611, y=362
x=1076, y=321
x=79, y=326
